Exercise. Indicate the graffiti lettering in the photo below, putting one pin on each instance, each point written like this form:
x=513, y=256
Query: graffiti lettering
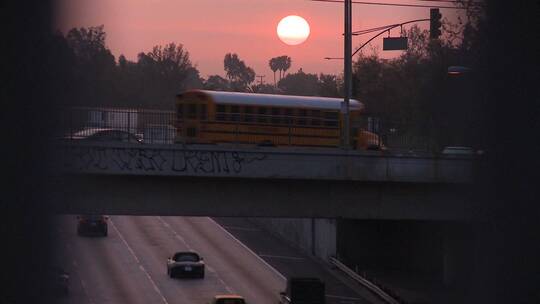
x=212, y=161
x=118, y=159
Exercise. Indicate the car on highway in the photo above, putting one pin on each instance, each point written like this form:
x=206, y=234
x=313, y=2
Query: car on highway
x=228, y=299
x=105, y=135
x=303, y=290
x=185, y=264
x=92, y=224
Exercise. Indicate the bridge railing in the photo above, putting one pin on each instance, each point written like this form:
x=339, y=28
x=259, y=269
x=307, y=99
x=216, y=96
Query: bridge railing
x=159, y=126
x=366, y=283
x=154, y=126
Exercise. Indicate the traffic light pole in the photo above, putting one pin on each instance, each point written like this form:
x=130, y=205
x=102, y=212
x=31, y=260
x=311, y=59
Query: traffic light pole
x=347, y=72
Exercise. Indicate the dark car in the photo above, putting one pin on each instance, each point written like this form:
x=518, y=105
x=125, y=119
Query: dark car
x=303, y=290
x=228, y=299
x=106, y=135
x=92, y=224
x=185, y=264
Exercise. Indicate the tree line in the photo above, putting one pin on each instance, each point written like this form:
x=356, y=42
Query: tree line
x=92, y=76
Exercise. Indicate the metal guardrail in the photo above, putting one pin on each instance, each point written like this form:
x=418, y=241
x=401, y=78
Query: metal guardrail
x=374, y=288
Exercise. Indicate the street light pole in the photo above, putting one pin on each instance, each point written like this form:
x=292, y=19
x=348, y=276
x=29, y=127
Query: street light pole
x=347, y=71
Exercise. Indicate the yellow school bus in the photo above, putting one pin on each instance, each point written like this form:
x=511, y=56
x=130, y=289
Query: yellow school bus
x=264, y=119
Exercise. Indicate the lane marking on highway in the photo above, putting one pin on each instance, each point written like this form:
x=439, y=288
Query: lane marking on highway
x=241, y=228
x=76, y=270
x=176, y=235
x=229, y=290
x=141, y=267
x=83, y=285
x=249, y=250
x=280, y=257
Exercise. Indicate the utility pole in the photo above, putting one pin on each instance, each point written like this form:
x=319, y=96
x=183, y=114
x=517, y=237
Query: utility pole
x=347, y=72
x=260, y=79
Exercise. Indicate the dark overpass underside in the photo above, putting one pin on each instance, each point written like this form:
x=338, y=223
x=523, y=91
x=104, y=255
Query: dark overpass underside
x=244, y=197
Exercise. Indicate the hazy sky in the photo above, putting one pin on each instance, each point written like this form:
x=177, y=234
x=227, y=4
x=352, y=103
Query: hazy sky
x=209, y=29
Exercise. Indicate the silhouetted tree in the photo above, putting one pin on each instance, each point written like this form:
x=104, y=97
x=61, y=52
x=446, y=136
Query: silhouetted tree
x=164, y=72
x=216, y=83
x=264, y=89
x=300, y=83
x=328, y=86
x=286, y=64
x=240, y=75
x=94, y=69
x=274, y=66
x=282, y=63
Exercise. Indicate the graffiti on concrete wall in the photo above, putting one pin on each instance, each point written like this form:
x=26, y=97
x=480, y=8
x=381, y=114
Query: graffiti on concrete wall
x=147, y=160
x=212, y=161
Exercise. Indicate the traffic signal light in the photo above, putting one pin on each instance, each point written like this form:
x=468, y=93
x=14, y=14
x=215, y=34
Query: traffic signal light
x=434, y=23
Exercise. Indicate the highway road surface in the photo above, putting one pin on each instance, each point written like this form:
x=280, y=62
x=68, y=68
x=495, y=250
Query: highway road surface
x=129, y=265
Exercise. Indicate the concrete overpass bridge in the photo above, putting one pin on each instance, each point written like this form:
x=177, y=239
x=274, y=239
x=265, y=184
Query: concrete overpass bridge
x=211, y=180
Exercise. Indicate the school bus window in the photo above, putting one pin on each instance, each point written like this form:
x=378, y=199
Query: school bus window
x=331, y=119
x=288, y=113
x=220, y=113
x=235, y=113
x=180, y=112
x=202, y=111
x=276, y=112
x=192, y=110
x=248, y=114
x=191, y=132
x=301, y=120
x=315, y=117
x=262, y=114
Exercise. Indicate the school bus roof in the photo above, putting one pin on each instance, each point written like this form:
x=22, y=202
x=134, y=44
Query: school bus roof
x=272, y=100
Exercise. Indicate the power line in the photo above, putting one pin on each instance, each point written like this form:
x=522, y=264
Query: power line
x=465, y=3
x=367, y=31
x=454, y=1
x=391, y=4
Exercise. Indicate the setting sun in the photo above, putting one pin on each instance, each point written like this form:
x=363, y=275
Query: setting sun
x=293, y=30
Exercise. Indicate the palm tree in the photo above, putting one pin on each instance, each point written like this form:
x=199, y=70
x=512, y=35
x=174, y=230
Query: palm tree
x=286, y=64
x=273, y=63
x=283, y=64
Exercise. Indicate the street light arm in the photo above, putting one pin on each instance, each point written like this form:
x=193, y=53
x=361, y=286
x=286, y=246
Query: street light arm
x=384, y=31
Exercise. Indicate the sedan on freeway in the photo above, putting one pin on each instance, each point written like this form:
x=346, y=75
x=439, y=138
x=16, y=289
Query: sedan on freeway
x=228, y=299
x=185, y=264
x=92, y=224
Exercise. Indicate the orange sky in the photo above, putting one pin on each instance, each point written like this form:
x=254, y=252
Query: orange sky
x=209, y=29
